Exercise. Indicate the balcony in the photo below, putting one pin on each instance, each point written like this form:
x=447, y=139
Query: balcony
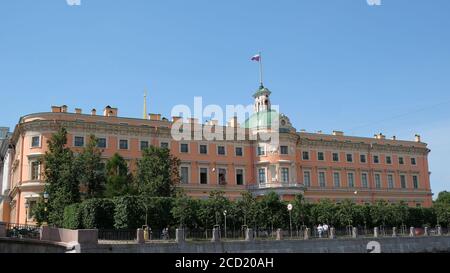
x=279, y=188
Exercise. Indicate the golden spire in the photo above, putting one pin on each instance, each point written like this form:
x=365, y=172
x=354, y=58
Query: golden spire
x=144, y=115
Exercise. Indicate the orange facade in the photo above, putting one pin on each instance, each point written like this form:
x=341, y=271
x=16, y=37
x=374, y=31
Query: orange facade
x=317, y=165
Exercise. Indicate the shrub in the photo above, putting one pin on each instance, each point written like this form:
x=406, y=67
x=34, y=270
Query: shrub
x=73, y=217
x=98, y=213
x=129, y=212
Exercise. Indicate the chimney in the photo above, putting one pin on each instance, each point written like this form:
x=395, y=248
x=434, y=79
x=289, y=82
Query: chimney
x=380, y=136
x=64, y=109
x=56, y=109
x=233, y=122
x=93, y=112
x=155, y=117
x=175, y=119
x=110, y=112
x=78, y=110
x=418, y=138
x=193, y=120
x=338, y=133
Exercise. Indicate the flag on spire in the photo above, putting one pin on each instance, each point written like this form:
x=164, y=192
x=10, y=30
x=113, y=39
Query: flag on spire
x=256, y=58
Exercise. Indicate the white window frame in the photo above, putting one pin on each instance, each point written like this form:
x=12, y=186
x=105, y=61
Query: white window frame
x=243, y=175
x=365, y=185
x=309, y=155
x=389, y=182
x=263, y=146
x=202, y=144
x=128, y=144
x=415, y=160
x=309, y=178
x=242, y=148
x=161, y=141
x=224, y=147
x=287, y=146
x=218, y=175
x=338, y=157
x=386, y=157
x=265, y=175
x=318, y=156
x=373, y=159
x=31, y=170
x=365, y=156
x=84, y=141
x=418, y=183
x=375, y=175
x=188, y=175
x=339, y=180
x=207, y=175
x=352, y=155
x=348, y=180
x=288, y=174
x=106, y=142
x=147, y=140
x=31, y=141
x=406, y=181
x=324, y=179
x=184, y=143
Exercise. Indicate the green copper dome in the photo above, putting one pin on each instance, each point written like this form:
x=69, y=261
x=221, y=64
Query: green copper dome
x=261, y=120
x=262, y=91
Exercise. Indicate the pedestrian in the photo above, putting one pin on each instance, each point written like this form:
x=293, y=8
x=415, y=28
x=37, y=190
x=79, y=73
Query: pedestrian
x=320, y=230
x=325, y=229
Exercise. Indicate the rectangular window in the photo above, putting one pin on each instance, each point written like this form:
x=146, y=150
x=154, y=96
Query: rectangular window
x=364, y=182
x=101, y=142
x=144, y=145
x=390, y=178
x=351, y=180
x=336, y=180
x=203, y=149
x=401, y=161
x=203, y=176
x=165, y=145
x=123, y=144
x=261, y=150
x=376, y=159
x=285, y=175
x=221, y=150
x=184, y=175
x=284, y=150
x=262, y=175
x=35, y=166
x=320, y=156
x=239, y=151
x=305, y=155
x=307, y=178
x=403, y=181
x=377, y=181
x=239, y=176
x=362, y=158
x=222, y=176
x=349, y=158
x=335, y=157
x=78, y=141
x=31, y=206
x=415, y=181
x=388, y=160
x=35, y=141
x=184, y=148
x=413, y=161
x=322, y=181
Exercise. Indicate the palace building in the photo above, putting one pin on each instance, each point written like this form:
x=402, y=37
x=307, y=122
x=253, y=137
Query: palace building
x=317, y=165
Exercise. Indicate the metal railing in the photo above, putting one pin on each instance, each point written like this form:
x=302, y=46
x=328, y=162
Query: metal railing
x=117, y=234
x=23, y=231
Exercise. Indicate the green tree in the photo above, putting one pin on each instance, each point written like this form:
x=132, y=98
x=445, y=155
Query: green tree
x=273, y=211
x=443, y=197
x=119, y=181
x=61, y=180
x=381, y=213
x=184, y=210
x=325, y=212
x=91, y=170
x=157, y=173
x=347, y=213
x=301, y=213
x=400, y=213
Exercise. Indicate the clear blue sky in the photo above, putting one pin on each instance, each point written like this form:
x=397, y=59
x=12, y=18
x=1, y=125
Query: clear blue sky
x=331, y=64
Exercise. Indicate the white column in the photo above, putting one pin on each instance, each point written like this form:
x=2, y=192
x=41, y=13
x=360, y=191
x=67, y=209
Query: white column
x=6, y=171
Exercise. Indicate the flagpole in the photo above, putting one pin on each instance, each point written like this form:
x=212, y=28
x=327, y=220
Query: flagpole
x=260, y=70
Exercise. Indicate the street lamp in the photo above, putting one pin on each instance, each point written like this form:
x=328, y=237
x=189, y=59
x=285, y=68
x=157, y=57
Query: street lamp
x=289, y=207
x=46, y=197
x=27, y=206
x=225, y=216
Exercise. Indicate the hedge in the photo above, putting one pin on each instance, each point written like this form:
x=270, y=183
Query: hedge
x=98, y=213
x=129, y=212
x=73, y=217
